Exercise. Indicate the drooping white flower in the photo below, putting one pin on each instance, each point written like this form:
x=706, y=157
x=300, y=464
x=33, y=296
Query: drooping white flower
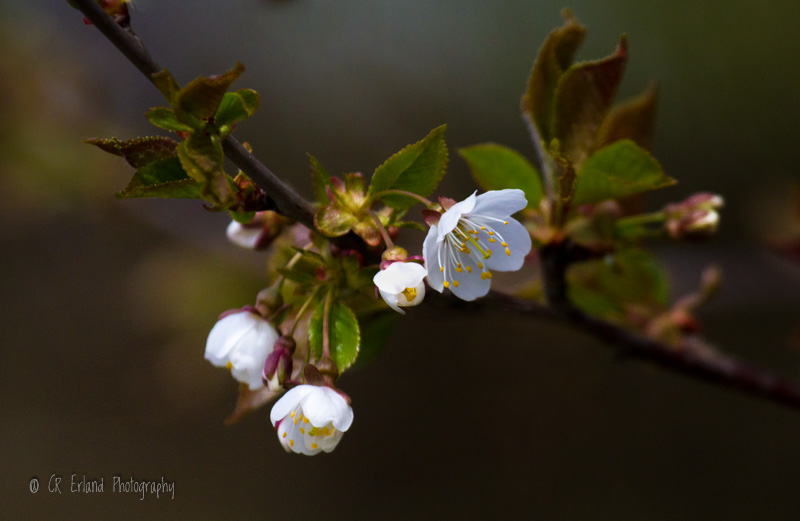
x=401, y=284
x=474, y=237
x=241, y=342
x=259, y=233
x=310, y=419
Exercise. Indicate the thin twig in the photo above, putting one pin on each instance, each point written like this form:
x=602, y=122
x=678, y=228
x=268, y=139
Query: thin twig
x=703, y=364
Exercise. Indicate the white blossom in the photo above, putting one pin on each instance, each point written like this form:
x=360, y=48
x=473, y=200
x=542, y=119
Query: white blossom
x=401, y=284
x=241, y=342
x=474, y=237
x=310, y=419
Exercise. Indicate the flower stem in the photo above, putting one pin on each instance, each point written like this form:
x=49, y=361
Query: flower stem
x=326, y=343
x=419, y=198
x=386, y=239
x=303, y=310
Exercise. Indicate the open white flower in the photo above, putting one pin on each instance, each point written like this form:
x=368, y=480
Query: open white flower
x=401, y=284
x=310, y=419
x=472, y=238
x=241, y=342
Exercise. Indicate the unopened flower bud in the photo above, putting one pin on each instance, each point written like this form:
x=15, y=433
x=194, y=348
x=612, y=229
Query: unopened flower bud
x=696, y=217
x=278, y=366
x=395, y=253
x=269, y=300
x=259, y=233
x=401, y=284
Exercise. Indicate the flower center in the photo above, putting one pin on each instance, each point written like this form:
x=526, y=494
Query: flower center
x=410, y=294
x=299, y=429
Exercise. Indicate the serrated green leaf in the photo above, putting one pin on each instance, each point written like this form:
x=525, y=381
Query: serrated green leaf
x=139, y=151
x=311, y=255
x=320, y=179
x=633, y=119
x=618, y=170
x=376, y=331
x=164, y=117
x=344, y=337
x=236, y=106
x=202, y=96
x=583, y=96
x=609, y=288
x=163, y=178
x=496, y=167
x=417, y=168
x=554, y=57
x=201, y=157
x=333, y=221
x=166, y=84
x=297, y=276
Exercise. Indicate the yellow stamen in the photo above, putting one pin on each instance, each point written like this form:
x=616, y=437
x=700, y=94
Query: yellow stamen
x=490, y=232
x=469, y=270
x=305, y=420
x=295, y=421
x=313, y=445
x=504, y=244
x=455, y=283
x=292, y=414
x=505, y=222
x=480, y=265
x=483, y=227
x=441, y=269
x=508, y=252
x=410, y=293
x=446, y=284
x=291, y=443
x=284, y=435
x=302, y=430
x=488, y=274
x=491, y=239
x=229, y=365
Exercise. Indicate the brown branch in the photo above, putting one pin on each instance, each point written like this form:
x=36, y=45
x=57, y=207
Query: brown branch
x=696, y=361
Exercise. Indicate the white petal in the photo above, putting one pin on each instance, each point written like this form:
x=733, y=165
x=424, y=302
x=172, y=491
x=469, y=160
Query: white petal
x=470, y=285
x=246, y=237
x=330, y=442
x=225, y=334
x=399, y=276
x=289, y=401
x=392, y=300
x=519, y=245
x=324, y=405
x=499, y=203
x=449, y=219
x=430, y=252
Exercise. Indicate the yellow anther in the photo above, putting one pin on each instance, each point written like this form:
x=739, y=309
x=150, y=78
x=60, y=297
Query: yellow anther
x=313, y=445
x=504, y=244
x=490, y=232
x=229, y=365
x=505, y=222
x=302, y=430
x=292, y=414
x=305, y=420
x=458, y=269
x=455, y=283
x=480, y=265
x=483, y=275
x=410, y=293
x=491, y=239
x=466, y=250
x=441, y=269
x=295, y=421
x=284, y=435
x=488, y=274
x=291, y=443
x=483, y=227
x=326, y=431
x=488, y=253
x=469, y=270
x=508, y=252
x=446, y=284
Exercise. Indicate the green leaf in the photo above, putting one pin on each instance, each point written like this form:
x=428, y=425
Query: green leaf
x=161, y=178
x=417, y=168
x=297, y=276
x=137, y=152
x=631, y=279
x=583, y=96
x=633, y=119
x=344, y=337
x=164, y=117
x=202, y=96
x=554, y=57
x=201, y=157
x=166, y=84
x=496, y=167
x=236, y=106
x=376, y=331
x=320, y=180
x=333, y=221
x=310, y=255
x=618, y=170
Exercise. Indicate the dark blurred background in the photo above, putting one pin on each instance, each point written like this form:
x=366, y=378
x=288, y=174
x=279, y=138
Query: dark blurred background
x=107, y=303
